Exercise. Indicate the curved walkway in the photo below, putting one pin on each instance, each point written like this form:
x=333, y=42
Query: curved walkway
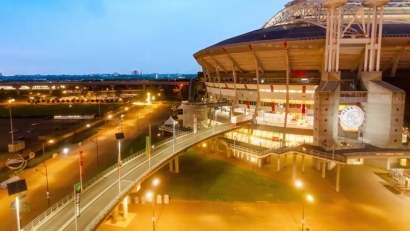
x=98, y=199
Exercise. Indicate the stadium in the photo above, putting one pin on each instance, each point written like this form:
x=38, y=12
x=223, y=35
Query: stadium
x=316, y=73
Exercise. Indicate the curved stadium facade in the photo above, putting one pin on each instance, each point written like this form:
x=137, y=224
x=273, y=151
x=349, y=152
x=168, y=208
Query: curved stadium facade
x=299, y=62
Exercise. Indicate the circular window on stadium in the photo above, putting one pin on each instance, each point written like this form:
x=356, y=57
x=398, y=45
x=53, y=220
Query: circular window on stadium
x=352, y=117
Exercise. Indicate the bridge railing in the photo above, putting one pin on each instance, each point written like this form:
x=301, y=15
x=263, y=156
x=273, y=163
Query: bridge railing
x=97, y=219
x=67, y=199
x=282, y=150
x=62, y=203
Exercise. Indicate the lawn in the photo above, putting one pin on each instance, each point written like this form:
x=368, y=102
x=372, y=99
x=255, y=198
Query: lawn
x=60, y=109
x=205, y=178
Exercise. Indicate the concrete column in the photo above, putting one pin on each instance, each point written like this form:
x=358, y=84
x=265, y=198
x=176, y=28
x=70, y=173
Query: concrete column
x=284, y=164
x=228, y=152
x=303, y=163
x=294, y=167
x=116, y=214
x=259, y=160
x=278, y=163
x=176, y=164
x=125, y=207
x=171, y=165
x=337, y=177
x=50, y=91
x=143, y=87
x=323, y=169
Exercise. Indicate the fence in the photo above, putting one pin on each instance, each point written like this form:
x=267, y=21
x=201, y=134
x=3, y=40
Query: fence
x=63, y=202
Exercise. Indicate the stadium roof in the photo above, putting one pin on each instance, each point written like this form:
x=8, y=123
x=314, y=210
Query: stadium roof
x=298, y=32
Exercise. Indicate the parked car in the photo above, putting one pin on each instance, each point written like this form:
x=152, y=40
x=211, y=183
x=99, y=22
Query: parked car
x=14, y=130
x=47, y=118
x=37, y=123
x=21, y=138
x=56, y=128
x=30, y=130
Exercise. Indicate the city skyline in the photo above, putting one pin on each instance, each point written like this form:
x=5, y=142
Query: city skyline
x=96, y=36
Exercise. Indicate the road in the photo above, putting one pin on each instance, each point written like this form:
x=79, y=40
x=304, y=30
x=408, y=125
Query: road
x=63, y=171
x=96, y=198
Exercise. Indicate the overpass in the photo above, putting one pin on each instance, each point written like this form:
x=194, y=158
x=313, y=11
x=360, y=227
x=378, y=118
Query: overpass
x=101, y=194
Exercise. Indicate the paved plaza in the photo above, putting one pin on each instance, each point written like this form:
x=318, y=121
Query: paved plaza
x=364, y=203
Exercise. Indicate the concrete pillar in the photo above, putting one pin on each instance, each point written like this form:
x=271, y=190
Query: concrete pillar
x=278, y=163
x=171, y=165
x=303, y=163
x=228, y=152
x=323, y=169
x=125, y=207
x=176, y=164
x=50, y=91
x=294, y=167
x=116, y=214
x=143, y=87
x=284, y=164
x=259, y=160
x=337, y=177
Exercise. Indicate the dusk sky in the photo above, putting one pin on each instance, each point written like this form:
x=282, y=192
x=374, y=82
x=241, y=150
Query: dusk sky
x=106, y=36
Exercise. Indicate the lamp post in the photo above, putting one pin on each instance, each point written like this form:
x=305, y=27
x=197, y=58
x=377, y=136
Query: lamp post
x=204, y=147
x=11, y=127
x=46, y=174
x=151, y=195
x=96, y=144
x=138, y=125
x=234, y=142
x=119, y=137
x=306, y=197
x=105, y=122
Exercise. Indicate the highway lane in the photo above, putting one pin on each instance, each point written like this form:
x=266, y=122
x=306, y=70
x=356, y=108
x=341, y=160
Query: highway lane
x=109, y=185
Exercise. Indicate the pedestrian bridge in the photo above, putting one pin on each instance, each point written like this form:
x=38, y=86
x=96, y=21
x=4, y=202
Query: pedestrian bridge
x=101, y=194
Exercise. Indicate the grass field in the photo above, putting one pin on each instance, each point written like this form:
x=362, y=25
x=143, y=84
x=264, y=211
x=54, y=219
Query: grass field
x=61, y=109
x=205, y=178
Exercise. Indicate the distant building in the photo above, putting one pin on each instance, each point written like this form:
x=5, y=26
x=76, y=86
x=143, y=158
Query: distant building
x=115, y=74
x=136, y=73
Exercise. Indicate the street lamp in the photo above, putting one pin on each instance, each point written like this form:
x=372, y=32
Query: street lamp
x=46, y=174
x=234, y=143
x=119, y=137
x=105, y=122
x=204, y=147
x=150, y=195
x=306, y=197
x=96, y=144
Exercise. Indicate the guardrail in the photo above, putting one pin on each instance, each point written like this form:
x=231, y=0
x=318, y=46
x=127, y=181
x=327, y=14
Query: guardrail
x=62, y=203
x=282, y=150
x=108, y=207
